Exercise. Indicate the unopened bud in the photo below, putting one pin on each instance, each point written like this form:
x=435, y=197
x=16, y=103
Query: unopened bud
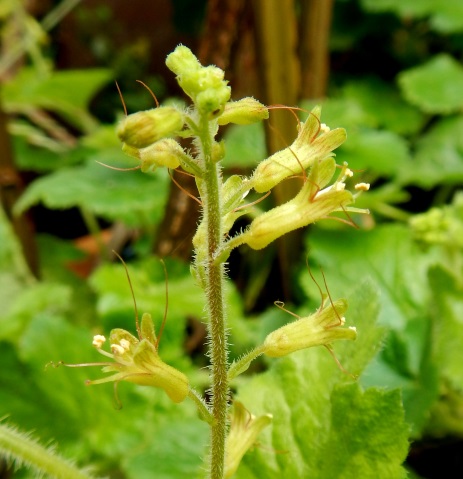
x=144, y=128
x=243, y=112
x=166, y=152
x=204, y=85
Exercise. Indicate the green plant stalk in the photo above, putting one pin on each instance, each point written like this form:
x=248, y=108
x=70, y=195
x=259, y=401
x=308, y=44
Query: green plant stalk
x=203, y=409
x=215, y=304
x=243, y=363
x=23, y=449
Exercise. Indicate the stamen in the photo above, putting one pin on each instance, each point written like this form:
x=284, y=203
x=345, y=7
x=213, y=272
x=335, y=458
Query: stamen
x=98, y=341
x=362, y=186
x=117, y=349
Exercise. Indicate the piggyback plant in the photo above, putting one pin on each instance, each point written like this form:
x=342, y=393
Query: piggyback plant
x=149, y=137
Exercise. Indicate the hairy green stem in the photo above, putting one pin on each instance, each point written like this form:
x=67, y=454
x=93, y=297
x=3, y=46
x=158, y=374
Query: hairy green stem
x=215, y=304
x=24, y=450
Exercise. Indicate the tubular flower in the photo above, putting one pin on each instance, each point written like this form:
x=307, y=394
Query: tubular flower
x=312, y=203
x=243, y=112
x=137, y=361
x=320, y=328
x=314, y=143
x=244, y=429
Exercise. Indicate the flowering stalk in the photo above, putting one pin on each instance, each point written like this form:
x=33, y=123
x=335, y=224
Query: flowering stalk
x=150, y=138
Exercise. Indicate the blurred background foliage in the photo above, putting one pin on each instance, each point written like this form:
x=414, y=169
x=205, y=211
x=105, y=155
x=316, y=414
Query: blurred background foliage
x=389, y=71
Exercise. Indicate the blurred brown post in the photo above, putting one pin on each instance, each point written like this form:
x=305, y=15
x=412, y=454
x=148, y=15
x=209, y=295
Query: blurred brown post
x=276, y=51
x=314, y=47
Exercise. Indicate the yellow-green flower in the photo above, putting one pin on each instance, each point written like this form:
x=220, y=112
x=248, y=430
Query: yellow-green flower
x=244, y=429
x=318, y=329
x=137, y=361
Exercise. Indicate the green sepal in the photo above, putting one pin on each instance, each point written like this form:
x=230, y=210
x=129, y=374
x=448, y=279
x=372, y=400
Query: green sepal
x=147, y=329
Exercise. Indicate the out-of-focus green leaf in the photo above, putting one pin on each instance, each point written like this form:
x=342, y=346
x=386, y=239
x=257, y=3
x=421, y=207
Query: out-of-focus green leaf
x=15, y=276
x=176, y=453
x=445, y=17
x=447, y=312
x=11, y=258
x=370, y=102
x=130, y=197
x=382, y=152
x=435, y=86
x=336, y=430
x=66, y=92
x=245, y=146
x=30, y=301
x=448, y=324
x=33, y=158
x=85, y=420
x=448, y=16
x=439, y=155
x=186, y=300
x=402, y=7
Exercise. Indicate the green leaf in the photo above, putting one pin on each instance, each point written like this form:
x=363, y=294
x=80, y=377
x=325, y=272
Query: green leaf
x=381, y=152
x=439, y=155
x=186, y=300
x=371, y=102
x=372, y=442
x=406, y=8
x=448, y=16
x=66, y=92
x=323, y=427
x=448, y=324
x=399, y=268
x=131, y=197
x=435, y=86
x=445, y=17
x=175, y=453
x=33, y=158
x=245, y=146
x=30, y=301
x=56, y=403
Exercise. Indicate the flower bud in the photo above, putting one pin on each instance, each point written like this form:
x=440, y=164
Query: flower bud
x=166, y=152
x=144, y=128
x=244, y=429
x=321, y=328
x=243, y=112
x=204, y=85
x=182, y=60
x=212, y=101
x=218, y=151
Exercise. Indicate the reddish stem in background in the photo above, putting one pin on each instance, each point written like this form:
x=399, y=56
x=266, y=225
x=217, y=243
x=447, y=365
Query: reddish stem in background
x=151, y=91
x=183, y=189
x=137, y=324
x=122, y=98
x=166, y=307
